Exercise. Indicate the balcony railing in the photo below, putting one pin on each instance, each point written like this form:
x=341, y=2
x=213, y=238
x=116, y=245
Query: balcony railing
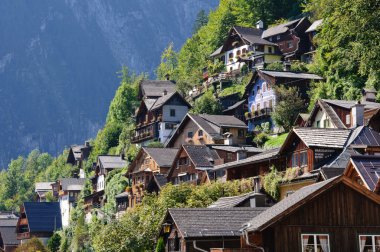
x=143, y=134
x=260, y=113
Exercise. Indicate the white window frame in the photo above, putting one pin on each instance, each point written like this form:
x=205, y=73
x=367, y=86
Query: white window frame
x=372, y=238
x=315, y=241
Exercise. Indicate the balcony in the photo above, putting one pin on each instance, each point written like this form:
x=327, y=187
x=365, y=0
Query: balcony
x=23, y=236
x=143, y=133
x=265, y=112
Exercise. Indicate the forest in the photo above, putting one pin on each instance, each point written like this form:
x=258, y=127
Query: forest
x=347, y=56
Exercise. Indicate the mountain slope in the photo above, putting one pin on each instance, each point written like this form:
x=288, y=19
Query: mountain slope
x=58, y=63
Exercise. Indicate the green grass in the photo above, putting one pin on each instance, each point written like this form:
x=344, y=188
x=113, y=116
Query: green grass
x=275, y=141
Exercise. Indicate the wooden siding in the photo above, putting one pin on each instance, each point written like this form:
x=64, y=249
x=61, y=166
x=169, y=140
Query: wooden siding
x=341, y=212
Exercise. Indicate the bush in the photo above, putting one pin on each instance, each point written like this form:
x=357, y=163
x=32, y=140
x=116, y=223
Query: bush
x=32, y=245
x=160, y=245
x=54, y=242
x=260, y=139
x=271, y=183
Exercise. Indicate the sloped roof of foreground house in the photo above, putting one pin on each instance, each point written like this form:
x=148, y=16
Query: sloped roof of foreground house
x=368, y=168
x=298, y=199
x=211, y=222
x=155, y=88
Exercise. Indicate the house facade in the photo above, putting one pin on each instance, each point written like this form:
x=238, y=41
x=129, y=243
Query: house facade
x=311, y=33
x=261, y=95
x=41, y=188
x=78, y=154
x=160, y=110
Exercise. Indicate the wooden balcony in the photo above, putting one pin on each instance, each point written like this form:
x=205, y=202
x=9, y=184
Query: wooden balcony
x=143, y=133
x=23, y=236
x=265, y=112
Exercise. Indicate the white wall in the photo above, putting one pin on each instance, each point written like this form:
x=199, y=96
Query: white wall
x=65, y=210
x=321, y=117
x=234, y=64
x=180, y=112
x=100, y=184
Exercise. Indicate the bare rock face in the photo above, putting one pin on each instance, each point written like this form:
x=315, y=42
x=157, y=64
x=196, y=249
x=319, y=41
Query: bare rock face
x=59, y=63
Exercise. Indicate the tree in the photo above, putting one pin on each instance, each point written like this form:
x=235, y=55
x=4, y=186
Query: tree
x=155, y=144
x=32, y=245
x=288, y=105
x=207, y=104
x=54, y=242
x=160, y=245
x=348, y=54
x=168, y=64
x=200, y=21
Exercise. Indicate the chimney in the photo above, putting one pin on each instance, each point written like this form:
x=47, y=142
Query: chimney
x=357, y=115
x=260, y=25
x=227, y=138
x=82, y=174
x=165, y=92
x=287, y=66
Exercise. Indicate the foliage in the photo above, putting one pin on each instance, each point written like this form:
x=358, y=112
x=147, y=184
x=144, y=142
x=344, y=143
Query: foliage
x=155, y=144
x=200, y=21
x=296, y=66
x=275, y=66
x=169, y=63
x=288, y=105
x=32, y=245
x=238, y=86
x=160, y=245
x=54, y=242
x=348, y=54
x=207, y=104
x=275, y=141
x=116, y=183
x=271, y=183
x=260, y=139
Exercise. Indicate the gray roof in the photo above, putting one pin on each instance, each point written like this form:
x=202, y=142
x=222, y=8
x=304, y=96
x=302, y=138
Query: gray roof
x=314, y=26
x=323, y=137
x=8, y=235
x=331, y=114
x=160, y=179
x=72, y=184
x=155, y=88
x=230, y=148
x=368, y=167
x=292, y=75
x=364, y=136
x=278, y=29
x=234, y=106
x=164, y=157
x=341, y=161
x=329, y=172
x=112, y=162
x=164, y=98
x=9, y=222
x=122, y=195
x=201, y=156
x=263, y=219
x=350, y=104
x=216, y=52
x=43, y=186
x=252, y=35
x=265, y=155
x=212, y=222
x=233, y=201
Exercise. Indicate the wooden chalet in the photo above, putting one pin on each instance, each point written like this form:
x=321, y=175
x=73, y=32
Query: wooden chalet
x=235, y=153
x=290, y=37
x=41, y=188
x=261, y=95
x=78, y=154
x=8, y=236
x=333, y=215
x=233, y=105
x=208, y=129
x=365, y=171
x=254, y=166
x=192, y=163
x=201, y=229
x=160, y=110
x=104, y=165
x=148, y=171
x=67, y=190
x=243, y=46
x=38, y=219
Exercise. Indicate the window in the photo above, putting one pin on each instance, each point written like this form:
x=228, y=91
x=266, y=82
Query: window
x=290, y=44
x=270, y=39
x=303, y=158
x=230, y=56
x=183, y=161
x=315, y=243
x=295, y=160
x=230, y=156
x=169, y=126
x=270, y=49
x=348, y=119
x=240, y=133
x=326, y=123
x=278, y=37
x=264, y=87
x=369, y=243
x=172, y=113
x=318, y=124
x=200, y=133
x=190, y=134
x=238, y=53
x=244, y=50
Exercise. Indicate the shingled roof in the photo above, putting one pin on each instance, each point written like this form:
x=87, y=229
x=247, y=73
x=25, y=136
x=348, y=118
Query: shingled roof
x=164, y=157
x=8, y=235
x=330, y=113
x=252, y=35
x=230, y=148
x=112, y=162
x=201, y=156
x=264, y=156
x=279, y=29
x=211, y=222
x=314, y=26
x=291, y=75
x=72, y=184
x=364, y=136
x=43, y=216
x=233, y=201
x=350, y=104
x=155, y=88
x=368, y=167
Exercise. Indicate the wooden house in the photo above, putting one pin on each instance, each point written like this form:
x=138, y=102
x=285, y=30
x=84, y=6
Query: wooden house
x=235, y=153
x=341, y=114
x=38, y=219
x=67, y=191
x=261, y=95
x=233, y=105
x=301, y=120
x=244, y=45
x=8, y=236
x=201, y=229
x=41, y=188
x=208, y=129
x=146, y=171
x=192, y=163
x=290, y=37
x=311, y=33
x=78, y=154
x=333, y=215
x=253, y=166
x=365, y=171
x=160, y=110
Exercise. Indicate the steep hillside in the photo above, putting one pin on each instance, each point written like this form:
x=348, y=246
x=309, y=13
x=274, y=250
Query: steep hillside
x=58, y=63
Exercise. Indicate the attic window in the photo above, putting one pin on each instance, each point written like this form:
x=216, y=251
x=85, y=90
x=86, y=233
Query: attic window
x=190, y=134
x=200, y=132
x=172, y=113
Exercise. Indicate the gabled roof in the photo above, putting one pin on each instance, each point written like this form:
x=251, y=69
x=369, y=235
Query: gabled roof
x=211, y=222
x=8, y=235
x=319, y=137
x=279, y=29
x=216, y=52
x=299, y=198
x=230, y=148
x=252, y=35
x=43, y=186
x=291, y=75
x=364, y=136
x=72, y=184
x=314, y=26
x=164, y=157
x=233, y=201
x=43, y=216
x=341, y=161
x=264, y=156
x=155, y=88
x=234, y=106
x=112, y=162
x=330, y=113
x=161, y=101
x=368, y=167
x=122, y=195
x=201, y=156
x=350, y=104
